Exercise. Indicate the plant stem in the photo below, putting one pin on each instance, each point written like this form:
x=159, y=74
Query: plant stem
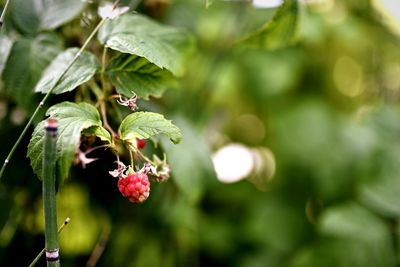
x=104, y=95
x=3, y=14
x=103, y=68
x=96, y=90
x=138, y=152
x=49, y=193
x=44, y=249
x=131, y=156
x=106, y=125
x=7, y=160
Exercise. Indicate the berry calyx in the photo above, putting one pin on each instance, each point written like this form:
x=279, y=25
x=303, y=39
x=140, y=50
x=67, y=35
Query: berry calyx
x=140, y=143
x=135, y=187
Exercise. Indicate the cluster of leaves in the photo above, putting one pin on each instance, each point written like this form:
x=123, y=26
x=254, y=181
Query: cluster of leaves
x=147, y=57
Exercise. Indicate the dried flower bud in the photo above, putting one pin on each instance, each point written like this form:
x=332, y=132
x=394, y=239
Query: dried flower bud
x=130, y=103
x=109, y=12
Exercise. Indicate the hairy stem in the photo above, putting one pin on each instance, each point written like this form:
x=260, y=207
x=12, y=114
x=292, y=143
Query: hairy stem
x=44, y=249
x=7, y=160
x=3, y=14
x=49, y=193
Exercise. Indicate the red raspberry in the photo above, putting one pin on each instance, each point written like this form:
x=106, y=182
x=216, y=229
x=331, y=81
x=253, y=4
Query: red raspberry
x=140, y=143
x=135, y=187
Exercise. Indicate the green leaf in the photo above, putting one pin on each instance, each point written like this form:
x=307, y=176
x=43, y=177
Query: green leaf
x=381, y=191
x=350, y=220
x=165, y=46
x=32, y=16
x=356, y=230
x=5, y=49
x=81, y=71
x=25, y=64
x=72, y=119
x=209, y=3
x=182, y=161
x=136, y=75
x=382, y=196
x=279, y=32
x=350, y=236
x=143, y=125
x=380, y=186
x=98, y=131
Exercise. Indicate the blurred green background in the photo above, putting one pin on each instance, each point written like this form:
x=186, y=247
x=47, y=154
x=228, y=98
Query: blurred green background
x=319, y=114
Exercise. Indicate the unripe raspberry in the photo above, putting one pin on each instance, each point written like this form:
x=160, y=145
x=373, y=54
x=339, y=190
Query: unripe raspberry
x=140, y=143
x=135, y=187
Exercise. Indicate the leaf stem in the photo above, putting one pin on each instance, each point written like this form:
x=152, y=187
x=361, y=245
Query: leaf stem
x=102, y=74
x=44, y=249
x=49, y=193
x=92, y=34
x=138, y=152
x=103, y=112
x=131, y=157
x=96, y=90
x=103, y=64
x=3, y=14
x=103, y=98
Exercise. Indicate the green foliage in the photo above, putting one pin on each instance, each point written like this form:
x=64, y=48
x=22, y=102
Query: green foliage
x=343, y=231
x=162, y=45
x=5, y=48
x=80, y=72
x=191, y=154
x=26, y=62
x=33, y=16
x=98, y=131
x=135, y=75
x=143, y=125
x=72, y=119
x=280, y=32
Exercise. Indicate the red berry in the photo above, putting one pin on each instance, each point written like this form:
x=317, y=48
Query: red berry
x=140, y=143
x=135, y=187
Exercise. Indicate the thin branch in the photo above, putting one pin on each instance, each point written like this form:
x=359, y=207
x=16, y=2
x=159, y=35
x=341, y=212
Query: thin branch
x=44, y=249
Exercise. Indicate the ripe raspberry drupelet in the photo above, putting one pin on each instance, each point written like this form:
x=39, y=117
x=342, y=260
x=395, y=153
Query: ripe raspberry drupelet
x=135, y=187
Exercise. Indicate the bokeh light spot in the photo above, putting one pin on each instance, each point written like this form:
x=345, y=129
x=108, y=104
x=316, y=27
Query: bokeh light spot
x=348, y=77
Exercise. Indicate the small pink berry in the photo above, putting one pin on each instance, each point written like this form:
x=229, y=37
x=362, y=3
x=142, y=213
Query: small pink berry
x=140, y=143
